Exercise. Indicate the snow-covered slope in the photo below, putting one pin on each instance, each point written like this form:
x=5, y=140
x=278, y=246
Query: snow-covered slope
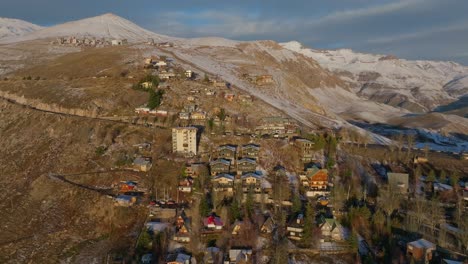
x=415, y=85
x=104, y=26
x=10, y=27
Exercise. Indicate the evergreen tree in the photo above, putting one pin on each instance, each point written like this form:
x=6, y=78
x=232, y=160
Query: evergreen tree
x=234, y=211
x=155, y=98
x=309, y=222
x=204, y=209
x=296, y=204
x=249, y=203
x=222, y=114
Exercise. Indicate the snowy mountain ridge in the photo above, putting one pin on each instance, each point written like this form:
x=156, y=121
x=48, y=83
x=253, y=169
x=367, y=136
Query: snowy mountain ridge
x=417, y=85
x=103, y=26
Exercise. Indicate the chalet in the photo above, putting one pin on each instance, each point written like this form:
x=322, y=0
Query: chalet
x=213, y=222
x=218, y=84
x=148, y=61
x=420, y=250
x=398, y=182
x=147, y=85
x=160, y=112
x=317, y=181
x=186, y=185
x=161, y=63
x=143, y=146
x=191, y=107
x=227, y=152
x=119, y=42
x=188, y=74
x=236, y=227
x=164, y=75
x=223, y=183
x=198, y=115
x=125, y=200
x=142, y=164
x=276, y=126
x=184, y=116
x=306, y=149
x=268, y=226
x=295, y=227
x=250, y=151
x=210, y=93
x=332, y=230
x=126, y=186
x=220, y=166
x=239, y=255
x=246, y=165
x=245, y=99
x=182, y=233
x=142, y=110
x=178, y=258
x=191, y=98
x=251, y=182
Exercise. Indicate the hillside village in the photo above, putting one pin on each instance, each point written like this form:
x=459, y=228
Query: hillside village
x=259, y=192
x=170, y=163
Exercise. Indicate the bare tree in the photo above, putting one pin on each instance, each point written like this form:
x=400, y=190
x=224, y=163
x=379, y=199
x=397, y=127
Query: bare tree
x=426, y=151
x=389, y=201
x=410, y=140
x=434, y=214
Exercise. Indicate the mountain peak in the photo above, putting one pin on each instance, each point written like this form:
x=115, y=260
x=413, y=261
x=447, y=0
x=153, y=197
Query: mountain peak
x=108, y=26
x=11, y=27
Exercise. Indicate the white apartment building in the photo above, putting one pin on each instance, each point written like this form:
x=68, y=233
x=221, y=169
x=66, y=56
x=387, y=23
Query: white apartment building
x=184, y=140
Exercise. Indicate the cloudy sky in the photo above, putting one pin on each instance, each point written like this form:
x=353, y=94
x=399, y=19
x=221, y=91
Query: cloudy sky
x=416, y=29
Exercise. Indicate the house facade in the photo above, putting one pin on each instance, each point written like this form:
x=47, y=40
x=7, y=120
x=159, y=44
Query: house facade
x=227, y=152
x=223, y=183
x=220, y=166
x=306, y=149
x=245, y=165
x=250, y=151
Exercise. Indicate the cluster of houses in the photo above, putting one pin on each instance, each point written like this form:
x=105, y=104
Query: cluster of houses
x=88, y=41
x=192, y=112
x=128, y=193
x=237, y=166
x=277, y=126
x=155, y=112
